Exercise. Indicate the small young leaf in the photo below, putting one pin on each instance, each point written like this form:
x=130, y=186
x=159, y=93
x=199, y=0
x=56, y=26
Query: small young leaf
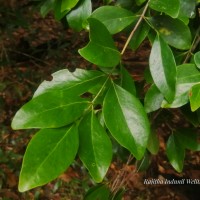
x=73, y=83
x=46, y=7
x=101, y=49
x=44, y=159
x=173, y=31
x=170, y=7
x=68, y=4
x=175, y=153
x=78, y=16
x=153, y=99
x=126, y=120
x=139, y=35
x=99, y=192
x=95, y=149
x=127, y=81
x=197, y=59
x=163, y=68
x=153, y=143
x=194, y=96
x=49, y=110
x=189, y=139
x=114, y=18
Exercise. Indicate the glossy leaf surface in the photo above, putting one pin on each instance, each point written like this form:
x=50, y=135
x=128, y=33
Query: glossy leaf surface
x=175, y=152
x=101, y=49
x=173, y=31
x=114, y=18
x=163, y=68
x=73, y=83
x=78, y=16
x=44, y=159
x=126, y=120
x=187, y=76
x=95, y=149
x=194, y=97
x=49, y=110
x=170, y=7
x=153, y=99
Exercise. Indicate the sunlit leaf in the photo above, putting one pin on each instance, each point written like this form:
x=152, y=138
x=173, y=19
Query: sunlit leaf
x=68, y=4
x=101, y=49
x=173, y=31
x=49, y=110
x=194, y=97
x=78, y=16
x=44, y=159
x=95, y=149
x=73, y=83
x=175, y=152
x=170, y=7
x=163, y=68
x=114, y=18
x=126, y=120
x=197, y=59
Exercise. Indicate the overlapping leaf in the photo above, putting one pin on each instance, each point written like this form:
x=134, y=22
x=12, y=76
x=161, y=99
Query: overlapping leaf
x=68, y=4
x=126, y=120
x=73, y=83
x=173, y=31
x=170, y=7
x=95, y=149
x=101, y=49
x=114, y=18
x=163, y=68
x=197, y=59
x=49, y=110
x=78, y=16
x=187, y=76
x=153, y=99
x=44, y=159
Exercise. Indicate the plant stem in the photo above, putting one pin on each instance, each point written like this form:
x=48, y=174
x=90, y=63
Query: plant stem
x=195, y=43
x=135, y=28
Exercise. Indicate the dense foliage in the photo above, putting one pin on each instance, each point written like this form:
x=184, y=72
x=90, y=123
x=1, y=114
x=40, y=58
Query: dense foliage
x=83, y=113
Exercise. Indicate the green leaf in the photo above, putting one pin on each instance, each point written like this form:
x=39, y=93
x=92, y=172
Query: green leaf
x=126, y=120
x=187, y=10
x=140, y=2
x=59, y=14
x=173, y=31
x=73, y=83
x=95, y=149
x=187, y=76
x=189, y=139
x=153, y=143
x=197, y=59
x=143, y=164
x=78, y=16
x=46, y=7
x=170, y=7
x=194, y=97
x=101, y=49
x=49, y=110
x=99, y=192
x=163, y=68
x=68, y=4
x=153, y=99
x=127, y=81
x=139, y=35
x=175, y=153
x=114, y=18
x=44, y=159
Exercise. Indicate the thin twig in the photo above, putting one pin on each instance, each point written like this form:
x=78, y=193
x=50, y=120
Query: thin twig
x=135, y=28
x=195, y=43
